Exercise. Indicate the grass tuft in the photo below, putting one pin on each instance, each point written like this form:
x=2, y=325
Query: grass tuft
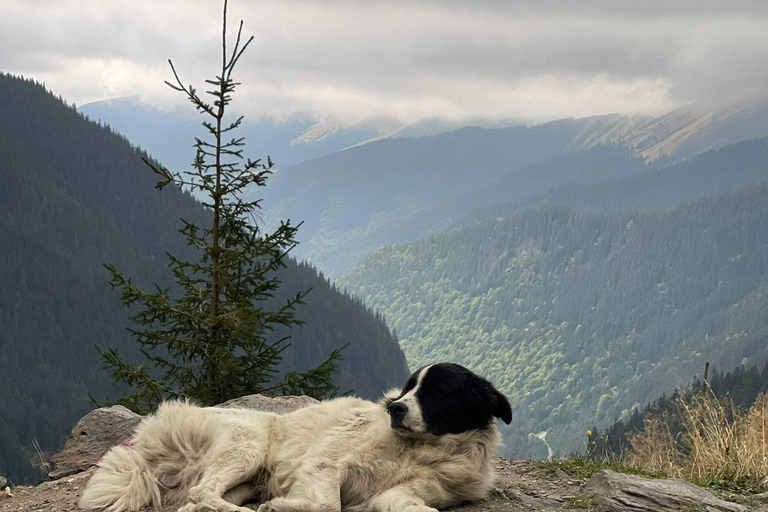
x=580, y=467
x=581, y=502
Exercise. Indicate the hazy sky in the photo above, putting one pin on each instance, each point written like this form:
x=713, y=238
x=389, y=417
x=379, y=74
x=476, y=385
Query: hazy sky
x=362, y=60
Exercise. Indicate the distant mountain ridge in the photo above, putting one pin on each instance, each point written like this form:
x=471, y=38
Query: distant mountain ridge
x=357, y=191
x=75, y=196
x=168, y=135
x=357, y=200
x=727, y=168
x=682, y=133
x=400, y=189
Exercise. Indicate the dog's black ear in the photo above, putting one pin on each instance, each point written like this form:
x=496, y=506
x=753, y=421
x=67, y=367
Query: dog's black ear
x=501, y=408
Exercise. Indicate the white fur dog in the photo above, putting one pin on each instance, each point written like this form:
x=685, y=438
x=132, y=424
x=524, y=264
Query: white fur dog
x=426, y=446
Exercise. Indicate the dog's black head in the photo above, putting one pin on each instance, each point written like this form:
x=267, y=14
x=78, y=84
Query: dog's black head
x=446, y=398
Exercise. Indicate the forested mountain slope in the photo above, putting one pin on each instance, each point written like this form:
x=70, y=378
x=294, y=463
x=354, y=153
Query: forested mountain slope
x=74, y=196
x=715, y=171
x=578, y=316
x=582, y=170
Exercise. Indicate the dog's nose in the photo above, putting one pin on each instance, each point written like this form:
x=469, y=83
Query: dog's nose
x=398, y=409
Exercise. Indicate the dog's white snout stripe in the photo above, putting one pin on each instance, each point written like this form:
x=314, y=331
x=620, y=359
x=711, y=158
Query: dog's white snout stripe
x=414, y=418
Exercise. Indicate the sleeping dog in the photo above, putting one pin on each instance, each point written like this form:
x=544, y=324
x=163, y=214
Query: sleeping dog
x=426, y=446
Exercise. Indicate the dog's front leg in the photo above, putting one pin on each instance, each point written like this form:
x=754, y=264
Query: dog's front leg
x=219, y=488
x=399, y=499
x=317, y=489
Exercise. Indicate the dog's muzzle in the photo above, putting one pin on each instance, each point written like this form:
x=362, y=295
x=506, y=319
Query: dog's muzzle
x=397, y=413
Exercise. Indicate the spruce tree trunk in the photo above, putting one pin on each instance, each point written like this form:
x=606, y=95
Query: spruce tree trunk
x=216, y=215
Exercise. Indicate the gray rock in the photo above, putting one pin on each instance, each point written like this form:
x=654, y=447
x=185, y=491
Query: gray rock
x=616, y=492
x=91, y=437
x=278, y=404
x=3, y=482
x=103, y=428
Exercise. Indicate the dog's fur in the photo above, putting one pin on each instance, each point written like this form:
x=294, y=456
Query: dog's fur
x=426, y=446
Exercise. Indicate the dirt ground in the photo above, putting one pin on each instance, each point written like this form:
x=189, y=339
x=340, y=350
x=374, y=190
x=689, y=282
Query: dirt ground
x=521, y=486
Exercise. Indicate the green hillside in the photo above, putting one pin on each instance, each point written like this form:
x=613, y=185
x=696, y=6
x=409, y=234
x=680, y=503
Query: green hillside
x=579, y=316
x=74, y=196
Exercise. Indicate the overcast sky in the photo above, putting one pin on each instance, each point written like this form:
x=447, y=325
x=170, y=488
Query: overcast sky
x=458, y=61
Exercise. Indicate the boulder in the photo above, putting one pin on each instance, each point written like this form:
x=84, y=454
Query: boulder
x=278, y=404
x=91, y=437
x=617, y=492
x=103, y=428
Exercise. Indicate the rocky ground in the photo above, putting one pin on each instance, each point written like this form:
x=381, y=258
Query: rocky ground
x=522, y=485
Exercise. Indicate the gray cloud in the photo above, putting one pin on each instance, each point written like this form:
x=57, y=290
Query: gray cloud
x=358, y=61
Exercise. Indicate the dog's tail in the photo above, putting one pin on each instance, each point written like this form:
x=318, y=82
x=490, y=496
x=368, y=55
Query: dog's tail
x=123, y=482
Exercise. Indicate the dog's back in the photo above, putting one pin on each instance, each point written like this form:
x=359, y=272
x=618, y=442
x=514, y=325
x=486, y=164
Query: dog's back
x=167, y=456
x=343, y=454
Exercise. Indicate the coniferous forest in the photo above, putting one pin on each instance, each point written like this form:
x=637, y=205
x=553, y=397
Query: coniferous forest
x=76, y=195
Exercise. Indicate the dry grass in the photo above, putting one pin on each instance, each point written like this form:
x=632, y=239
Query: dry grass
x=719, y=442
x=655, y=449
x=43, y=463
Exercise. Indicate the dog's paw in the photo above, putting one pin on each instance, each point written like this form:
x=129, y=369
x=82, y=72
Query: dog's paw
x=419, y=508
x=196, y=507
x=206, y=507
x=290, y=505
x=266, y=507
x=277, y=505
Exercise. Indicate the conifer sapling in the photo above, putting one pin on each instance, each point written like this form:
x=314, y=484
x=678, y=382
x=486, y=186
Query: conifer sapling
x=209, y=340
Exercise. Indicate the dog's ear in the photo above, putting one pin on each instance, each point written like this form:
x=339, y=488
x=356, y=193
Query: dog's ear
x=501, y=408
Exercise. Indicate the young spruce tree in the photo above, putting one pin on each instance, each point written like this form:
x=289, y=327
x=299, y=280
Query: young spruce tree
x=212, y=342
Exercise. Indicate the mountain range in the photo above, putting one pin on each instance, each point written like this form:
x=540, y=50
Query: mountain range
x=730, y=167
x=372, y=191
x=400, y=189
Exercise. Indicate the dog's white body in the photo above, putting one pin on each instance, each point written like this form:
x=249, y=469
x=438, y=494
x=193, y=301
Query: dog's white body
x=340, y=454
